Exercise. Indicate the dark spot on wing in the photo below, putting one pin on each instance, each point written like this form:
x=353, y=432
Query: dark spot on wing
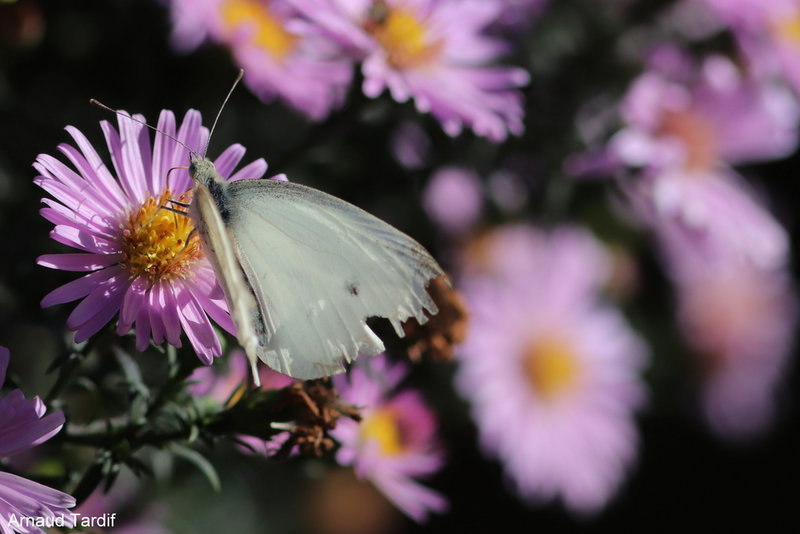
x=352, y=288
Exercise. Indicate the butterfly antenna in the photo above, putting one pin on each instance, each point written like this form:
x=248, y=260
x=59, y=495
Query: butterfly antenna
x=121, y=114
x=230, y=92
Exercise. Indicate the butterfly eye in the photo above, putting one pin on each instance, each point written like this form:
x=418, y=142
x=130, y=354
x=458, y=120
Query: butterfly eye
x=192, y=169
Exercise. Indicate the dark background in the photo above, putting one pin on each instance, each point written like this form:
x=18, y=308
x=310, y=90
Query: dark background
x=118, y=52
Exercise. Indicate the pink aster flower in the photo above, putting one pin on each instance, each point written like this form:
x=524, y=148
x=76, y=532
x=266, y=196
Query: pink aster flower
x=23, y=425
x=553, y=375
x=143, y=262
x=684, y=128
x=431, y=51
x=396, y=439
x=740, y=321
x=282, y=56
x=695, y=119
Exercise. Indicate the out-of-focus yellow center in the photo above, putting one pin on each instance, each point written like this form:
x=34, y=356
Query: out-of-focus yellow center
x=154, y=241
x=381, y=427
x=550, y=365
x=268, y=32
x=788, y=29
x=698, y=137
x=402, y=35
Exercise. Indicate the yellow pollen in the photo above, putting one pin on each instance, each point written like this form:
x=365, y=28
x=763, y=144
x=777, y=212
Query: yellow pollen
x=269, y=33
x=381, y=427
x=698, y=137
x=550, y=365
x=402, y=36
x=154, y=240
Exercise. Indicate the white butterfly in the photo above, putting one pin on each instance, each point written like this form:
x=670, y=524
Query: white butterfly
x=303, y=270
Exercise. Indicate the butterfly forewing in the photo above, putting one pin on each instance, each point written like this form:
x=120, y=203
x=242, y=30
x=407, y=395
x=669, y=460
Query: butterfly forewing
x=218, y=247
x=318, y=267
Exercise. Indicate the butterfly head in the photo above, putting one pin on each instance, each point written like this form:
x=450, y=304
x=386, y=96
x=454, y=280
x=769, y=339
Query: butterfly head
x=202, y=170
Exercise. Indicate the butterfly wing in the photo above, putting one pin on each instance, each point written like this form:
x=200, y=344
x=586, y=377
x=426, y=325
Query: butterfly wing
x=318, y=267
x=218, y=247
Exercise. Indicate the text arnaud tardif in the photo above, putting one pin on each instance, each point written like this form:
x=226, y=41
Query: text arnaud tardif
x=66, y=520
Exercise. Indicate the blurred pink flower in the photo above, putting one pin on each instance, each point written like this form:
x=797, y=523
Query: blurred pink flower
x=552, y=372
x=453, y=198
x=433, y=52
x=396, y=439
x=411, y=145
x=740, y=320
x=681, y=118
x=139, y=261
x=509, y=254
x=684, y=127
x=219, y=385
x=768, y=32
x=716, y=210
x=282, y=56
x=23, y=425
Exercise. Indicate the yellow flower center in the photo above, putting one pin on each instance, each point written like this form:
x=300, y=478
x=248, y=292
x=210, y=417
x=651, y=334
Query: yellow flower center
x=381, y=427
x=788, y=29
x=154, y=240
x=402, y=35
x=269, y=33
x=698, y=137
x=551, y=367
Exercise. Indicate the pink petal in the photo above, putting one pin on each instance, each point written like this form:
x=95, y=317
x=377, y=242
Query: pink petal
x=163, y=151
x=80, y=288
x=253, y=170
x=83, y=240
x=78, y=261
x=66, y=186
x=108, y=190
x=32, y=433
x=198, y=328
x=114, y=144
x=98, y=224
x=229, y=159
x=134, y=300
x=99, y=306
x=143, y=328
x=170, y=316
x=192, y=133
x=101, y=172
x=154, y=307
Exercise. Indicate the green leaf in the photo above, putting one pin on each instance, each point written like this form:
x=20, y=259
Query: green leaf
x=130, y=369
x=201, y=462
